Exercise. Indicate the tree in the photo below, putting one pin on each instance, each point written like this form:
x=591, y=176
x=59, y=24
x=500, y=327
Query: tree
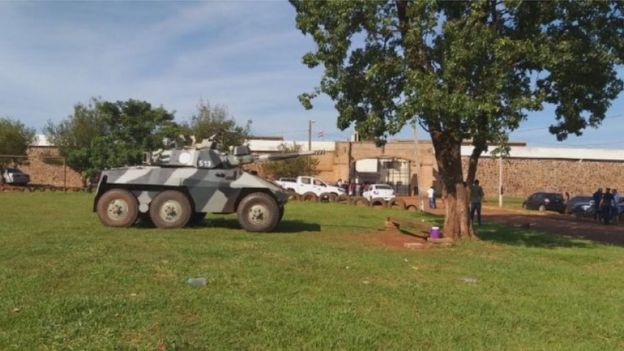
x=291, y=167
x=464, y=71
x=15, y=138
x=74, y=135
x=103, y=134
x=215, y=121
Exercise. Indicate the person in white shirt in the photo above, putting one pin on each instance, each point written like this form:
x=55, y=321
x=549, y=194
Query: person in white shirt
x=431, y=196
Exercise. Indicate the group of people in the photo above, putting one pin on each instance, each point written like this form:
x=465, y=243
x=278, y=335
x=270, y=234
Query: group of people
x=352, y=188
x=476, y=198
x=605, y=204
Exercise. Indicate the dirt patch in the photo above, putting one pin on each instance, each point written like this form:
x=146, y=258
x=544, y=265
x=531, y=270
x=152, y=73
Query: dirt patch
x=390, y=240
x=612, y=234
x=397, y=240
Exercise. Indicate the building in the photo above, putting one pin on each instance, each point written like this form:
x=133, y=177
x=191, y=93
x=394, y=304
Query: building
x=45, y=165
x=525, y=170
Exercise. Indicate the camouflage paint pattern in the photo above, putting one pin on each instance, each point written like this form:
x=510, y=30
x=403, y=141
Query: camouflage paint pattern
x=213, y=180
x=211, y=190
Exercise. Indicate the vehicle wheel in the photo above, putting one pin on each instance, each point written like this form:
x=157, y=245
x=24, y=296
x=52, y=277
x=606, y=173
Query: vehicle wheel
x=292, y=196
x=377, y=203
x=396, y=204
x=324, y=197
x=170, y=209
x=197, y=218
x=342, y=199
x=542, y=208
x=117, y=208
x=360, y=201
x=309, y=196
x=258, y=212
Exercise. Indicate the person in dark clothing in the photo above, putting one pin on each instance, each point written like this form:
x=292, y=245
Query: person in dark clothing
x=476, y=197
x=607, y=199
x=597, y=198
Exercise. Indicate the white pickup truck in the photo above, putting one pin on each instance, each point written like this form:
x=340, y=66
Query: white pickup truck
x=305, y=185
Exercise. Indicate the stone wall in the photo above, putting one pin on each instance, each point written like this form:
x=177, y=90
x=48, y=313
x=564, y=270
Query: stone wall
x=51, y=172
x=522, y=177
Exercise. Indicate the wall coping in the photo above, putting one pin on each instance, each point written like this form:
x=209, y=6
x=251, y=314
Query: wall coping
x=556, y=153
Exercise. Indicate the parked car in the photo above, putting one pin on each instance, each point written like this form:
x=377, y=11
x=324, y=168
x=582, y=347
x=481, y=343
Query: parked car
x=577, y=202
x=379, y=191
x=15, y=176
x=586, y=209
x=306, y=185
x=545, y=202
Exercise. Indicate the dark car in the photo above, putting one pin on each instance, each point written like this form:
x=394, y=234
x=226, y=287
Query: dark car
x=15, y=176
x=577, y=201
x=545, y=202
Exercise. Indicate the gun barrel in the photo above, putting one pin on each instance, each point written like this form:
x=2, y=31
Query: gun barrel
x=287, y=155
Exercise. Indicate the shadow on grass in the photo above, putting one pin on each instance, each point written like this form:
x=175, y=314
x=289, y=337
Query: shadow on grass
x=562, y=228
x=507, y=235
x=285, y=226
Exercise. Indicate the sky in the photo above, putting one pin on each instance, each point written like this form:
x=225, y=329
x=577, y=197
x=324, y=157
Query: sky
x=244, y=55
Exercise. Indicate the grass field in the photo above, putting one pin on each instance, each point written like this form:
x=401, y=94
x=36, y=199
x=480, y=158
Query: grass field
x=67, y=282
x=513, y=202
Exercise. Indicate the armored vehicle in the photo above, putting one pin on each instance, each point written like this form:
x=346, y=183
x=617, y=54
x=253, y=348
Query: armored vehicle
x=179, y=186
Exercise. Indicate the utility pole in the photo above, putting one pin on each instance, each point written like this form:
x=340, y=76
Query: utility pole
x=310, y=135
x=500, y=180
x=418, y=168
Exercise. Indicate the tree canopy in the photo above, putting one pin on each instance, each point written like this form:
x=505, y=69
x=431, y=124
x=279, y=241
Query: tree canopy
x=216, y=121
x=464, y=70
x=103, y=134
x=293, y=167
x=15, y=138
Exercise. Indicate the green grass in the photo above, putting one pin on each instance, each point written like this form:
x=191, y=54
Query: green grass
x=512, y=202
x=67, y=282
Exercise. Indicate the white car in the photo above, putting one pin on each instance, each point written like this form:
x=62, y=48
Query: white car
x=303, y=185
x=379, y=191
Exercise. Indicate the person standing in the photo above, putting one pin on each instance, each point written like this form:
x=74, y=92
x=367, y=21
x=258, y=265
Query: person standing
x=597, y=198
x=476, y=197
x=607, y=200
x=616, y=196
x=431, y=196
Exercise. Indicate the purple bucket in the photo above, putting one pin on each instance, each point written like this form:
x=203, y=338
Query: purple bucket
x=435, y=233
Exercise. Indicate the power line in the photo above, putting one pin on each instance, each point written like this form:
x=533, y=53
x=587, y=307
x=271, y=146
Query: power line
x=616, y=142
x=617, y=116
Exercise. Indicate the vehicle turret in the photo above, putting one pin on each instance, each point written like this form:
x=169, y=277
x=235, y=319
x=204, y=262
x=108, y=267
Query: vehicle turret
x=206, y=155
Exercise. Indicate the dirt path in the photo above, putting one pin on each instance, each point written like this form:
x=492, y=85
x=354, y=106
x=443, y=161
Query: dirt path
x=554, y=223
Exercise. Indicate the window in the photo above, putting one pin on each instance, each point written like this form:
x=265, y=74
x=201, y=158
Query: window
x=383, y=186
x=319, y=182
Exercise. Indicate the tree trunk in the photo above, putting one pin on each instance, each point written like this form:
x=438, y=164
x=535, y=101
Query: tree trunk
x=448, y=156
x=473, y=163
